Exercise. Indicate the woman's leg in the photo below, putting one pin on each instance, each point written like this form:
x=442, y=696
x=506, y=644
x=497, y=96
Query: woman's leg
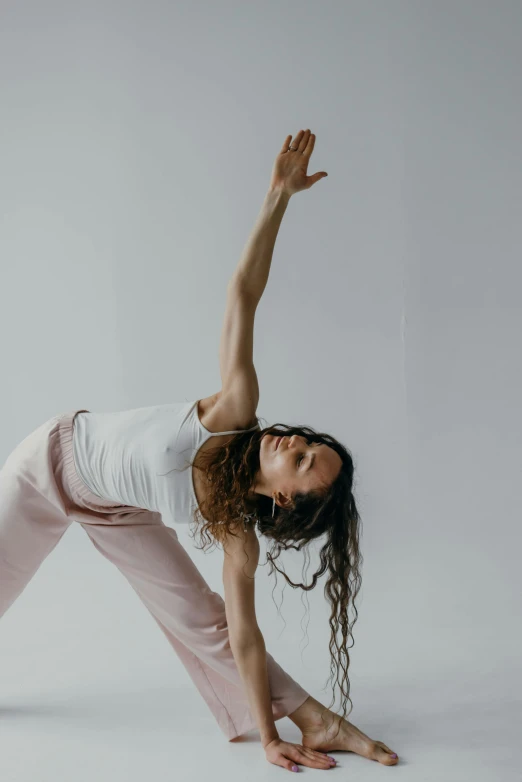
x=31, y=524
x=191, y=616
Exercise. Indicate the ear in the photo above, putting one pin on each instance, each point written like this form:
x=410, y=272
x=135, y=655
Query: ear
x=283, y=501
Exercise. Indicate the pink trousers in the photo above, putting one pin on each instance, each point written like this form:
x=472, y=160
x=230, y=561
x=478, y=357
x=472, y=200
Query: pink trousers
x=41, y=494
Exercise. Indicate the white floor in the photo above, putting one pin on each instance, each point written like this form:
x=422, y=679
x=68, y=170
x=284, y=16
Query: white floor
x=90, y=689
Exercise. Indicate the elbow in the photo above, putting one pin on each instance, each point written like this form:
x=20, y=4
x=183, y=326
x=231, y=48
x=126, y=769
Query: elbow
x=243, y=642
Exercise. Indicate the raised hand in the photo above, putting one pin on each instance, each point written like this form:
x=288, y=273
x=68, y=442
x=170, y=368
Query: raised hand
x=290, y=168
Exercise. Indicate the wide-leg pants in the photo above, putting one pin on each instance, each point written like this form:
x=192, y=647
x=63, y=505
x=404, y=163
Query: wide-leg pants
x=41, y=494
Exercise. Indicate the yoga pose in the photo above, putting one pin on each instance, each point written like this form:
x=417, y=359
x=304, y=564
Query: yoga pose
x=128, y=477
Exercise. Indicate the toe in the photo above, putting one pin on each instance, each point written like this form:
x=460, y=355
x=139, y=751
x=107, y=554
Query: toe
x=383, y=754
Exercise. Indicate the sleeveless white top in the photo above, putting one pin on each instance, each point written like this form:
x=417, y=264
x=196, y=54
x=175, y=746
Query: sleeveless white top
x=129, y=457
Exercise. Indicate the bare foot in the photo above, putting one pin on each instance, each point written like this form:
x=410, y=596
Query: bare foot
x=327, y=736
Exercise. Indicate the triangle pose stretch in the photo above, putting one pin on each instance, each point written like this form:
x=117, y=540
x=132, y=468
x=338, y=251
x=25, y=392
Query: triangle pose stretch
x=128, y=477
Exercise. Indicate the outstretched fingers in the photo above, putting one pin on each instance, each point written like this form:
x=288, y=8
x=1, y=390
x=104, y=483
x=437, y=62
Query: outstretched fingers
x=312, y=758
x=286, y=144
x=310, y=145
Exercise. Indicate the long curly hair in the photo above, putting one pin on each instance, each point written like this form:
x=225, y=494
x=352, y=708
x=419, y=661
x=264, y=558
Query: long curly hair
x=230, y=470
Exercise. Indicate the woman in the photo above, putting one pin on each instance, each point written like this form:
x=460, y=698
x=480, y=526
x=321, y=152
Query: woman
x=126, y=479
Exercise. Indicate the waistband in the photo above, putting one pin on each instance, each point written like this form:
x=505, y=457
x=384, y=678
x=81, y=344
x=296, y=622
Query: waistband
x=75, y=486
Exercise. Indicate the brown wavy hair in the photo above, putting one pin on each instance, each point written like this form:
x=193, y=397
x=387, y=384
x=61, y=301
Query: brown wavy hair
x=230, y=470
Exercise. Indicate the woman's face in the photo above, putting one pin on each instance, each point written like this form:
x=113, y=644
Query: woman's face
x=291, y=463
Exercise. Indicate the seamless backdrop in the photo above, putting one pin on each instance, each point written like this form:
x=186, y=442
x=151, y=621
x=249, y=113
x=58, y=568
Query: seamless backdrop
x=136, y=144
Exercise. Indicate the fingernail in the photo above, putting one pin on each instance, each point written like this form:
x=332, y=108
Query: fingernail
x=394, y=755
x=294, y=768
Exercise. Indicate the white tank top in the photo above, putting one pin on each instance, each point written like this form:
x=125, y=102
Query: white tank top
x=124, y=457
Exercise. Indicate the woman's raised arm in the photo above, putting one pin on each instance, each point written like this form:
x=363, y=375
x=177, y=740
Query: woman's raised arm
x=289, y=176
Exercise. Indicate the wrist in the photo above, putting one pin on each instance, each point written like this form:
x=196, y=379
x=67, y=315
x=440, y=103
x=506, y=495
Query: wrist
x=278, y=193
x=268, y=738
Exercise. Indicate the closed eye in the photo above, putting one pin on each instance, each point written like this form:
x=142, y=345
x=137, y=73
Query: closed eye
x=300, y=458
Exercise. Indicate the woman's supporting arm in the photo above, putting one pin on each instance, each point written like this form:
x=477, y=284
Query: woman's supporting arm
x=252, y=271
x=241, y=558
x=251, y=663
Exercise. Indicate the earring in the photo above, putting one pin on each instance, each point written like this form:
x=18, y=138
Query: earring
x=273, y=508
x=247, y=517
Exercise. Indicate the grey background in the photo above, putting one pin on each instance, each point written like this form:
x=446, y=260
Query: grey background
x=137, y=141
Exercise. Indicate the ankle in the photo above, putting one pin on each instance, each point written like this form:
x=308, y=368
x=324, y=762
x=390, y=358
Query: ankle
x=308, y=715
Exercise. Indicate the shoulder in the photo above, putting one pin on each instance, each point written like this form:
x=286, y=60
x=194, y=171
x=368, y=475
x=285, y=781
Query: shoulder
x=240, y=548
